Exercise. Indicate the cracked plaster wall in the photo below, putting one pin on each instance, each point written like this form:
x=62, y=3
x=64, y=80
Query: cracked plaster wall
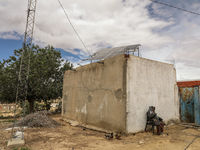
x=95, y=94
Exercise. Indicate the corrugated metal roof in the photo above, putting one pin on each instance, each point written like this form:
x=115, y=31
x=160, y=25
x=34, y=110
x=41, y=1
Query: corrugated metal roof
x=111, y=52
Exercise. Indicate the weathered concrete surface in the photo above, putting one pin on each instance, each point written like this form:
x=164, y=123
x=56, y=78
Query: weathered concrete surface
x=95, y=94
x=150, y=83
x=116, y=95
x=17, y=141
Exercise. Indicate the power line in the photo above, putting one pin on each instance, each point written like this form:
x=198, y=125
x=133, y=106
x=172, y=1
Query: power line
x=192, y=142
x=74, y=28
x=175, y=7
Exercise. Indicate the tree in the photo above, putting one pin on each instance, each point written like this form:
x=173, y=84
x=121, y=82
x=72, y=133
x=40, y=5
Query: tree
x=7, y=91
x=45, y=78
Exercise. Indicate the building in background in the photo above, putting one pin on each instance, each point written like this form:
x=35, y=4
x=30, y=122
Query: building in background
x=7, y=107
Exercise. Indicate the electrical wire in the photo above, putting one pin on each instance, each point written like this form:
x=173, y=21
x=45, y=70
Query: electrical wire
x=175, y=7
x=74, y=28
x=192, y=142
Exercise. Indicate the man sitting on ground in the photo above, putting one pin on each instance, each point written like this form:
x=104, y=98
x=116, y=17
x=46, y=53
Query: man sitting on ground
x=157, y=120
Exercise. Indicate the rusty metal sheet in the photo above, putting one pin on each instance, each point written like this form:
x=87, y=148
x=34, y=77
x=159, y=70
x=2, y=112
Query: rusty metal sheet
x=126, y=56
x=186, y=93
x=196, y=106
x=187, y=104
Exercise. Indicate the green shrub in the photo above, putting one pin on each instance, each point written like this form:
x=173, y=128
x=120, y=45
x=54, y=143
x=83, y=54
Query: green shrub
x=1, y=117
x=25, y=148
x=10, y=120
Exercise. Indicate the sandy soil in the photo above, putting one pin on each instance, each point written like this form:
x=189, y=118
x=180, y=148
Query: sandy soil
x=67, y=137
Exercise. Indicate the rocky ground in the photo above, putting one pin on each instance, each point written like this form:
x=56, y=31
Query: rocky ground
x=67, y=137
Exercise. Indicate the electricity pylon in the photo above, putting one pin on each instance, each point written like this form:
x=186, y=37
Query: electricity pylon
x=22, y=87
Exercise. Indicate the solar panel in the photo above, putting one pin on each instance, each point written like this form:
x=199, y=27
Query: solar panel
x=111, y=52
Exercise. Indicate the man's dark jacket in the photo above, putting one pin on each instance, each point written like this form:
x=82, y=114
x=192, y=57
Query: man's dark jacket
x=151, y=115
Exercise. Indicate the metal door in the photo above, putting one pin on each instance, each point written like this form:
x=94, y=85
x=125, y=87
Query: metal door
x=187, y=104
x=196, y=106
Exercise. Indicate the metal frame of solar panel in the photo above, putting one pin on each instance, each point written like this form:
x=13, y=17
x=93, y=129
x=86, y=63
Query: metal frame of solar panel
x=111, y=52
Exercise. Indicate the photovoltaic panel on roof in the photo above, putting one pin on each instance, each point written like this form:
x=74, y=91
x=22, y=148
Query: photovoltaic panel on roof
x=111, y=52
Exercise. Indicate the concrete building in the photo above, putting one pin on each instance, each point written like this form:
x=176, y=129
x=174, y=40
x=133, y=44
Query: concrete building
x=54, y=105
x=7, y=107
x=115, y=94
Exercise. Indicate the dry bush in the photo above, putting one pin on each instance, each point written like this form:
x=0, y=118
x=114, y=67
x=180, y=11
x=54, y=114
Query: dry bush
x=37, y=119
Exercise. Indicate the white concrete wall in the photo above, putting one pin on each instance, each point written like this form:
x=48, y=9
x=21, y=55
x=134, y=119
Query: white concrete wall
x=150, y=83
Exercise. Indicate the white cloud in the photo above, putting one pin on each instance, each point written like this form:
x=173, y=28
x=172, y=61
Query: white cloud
x=164, y=33
x=112, y=22
x=185, y=33
x=75, y=61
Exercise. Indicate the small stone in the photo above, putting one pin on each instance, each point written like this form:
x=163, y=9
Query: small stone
x=147, y=139
x=171, y=124
x=84, y=128
x=163, y=135
x=138, y=146
x=141, y=142
x=61, y=119
x=75, y=123
x=199, y=129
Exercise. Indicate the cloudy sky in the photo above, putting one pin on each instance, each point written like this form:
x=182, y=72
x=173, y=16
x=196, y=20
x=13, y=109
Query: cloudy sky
x=165, y=33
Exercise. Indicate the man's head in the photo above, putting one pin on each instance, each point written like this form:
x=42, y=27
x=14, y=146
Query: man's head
x=153, y=109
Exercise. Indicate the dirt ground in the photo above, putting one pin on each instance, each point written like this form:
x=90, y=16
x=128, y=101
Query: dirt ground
x=66, y=137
